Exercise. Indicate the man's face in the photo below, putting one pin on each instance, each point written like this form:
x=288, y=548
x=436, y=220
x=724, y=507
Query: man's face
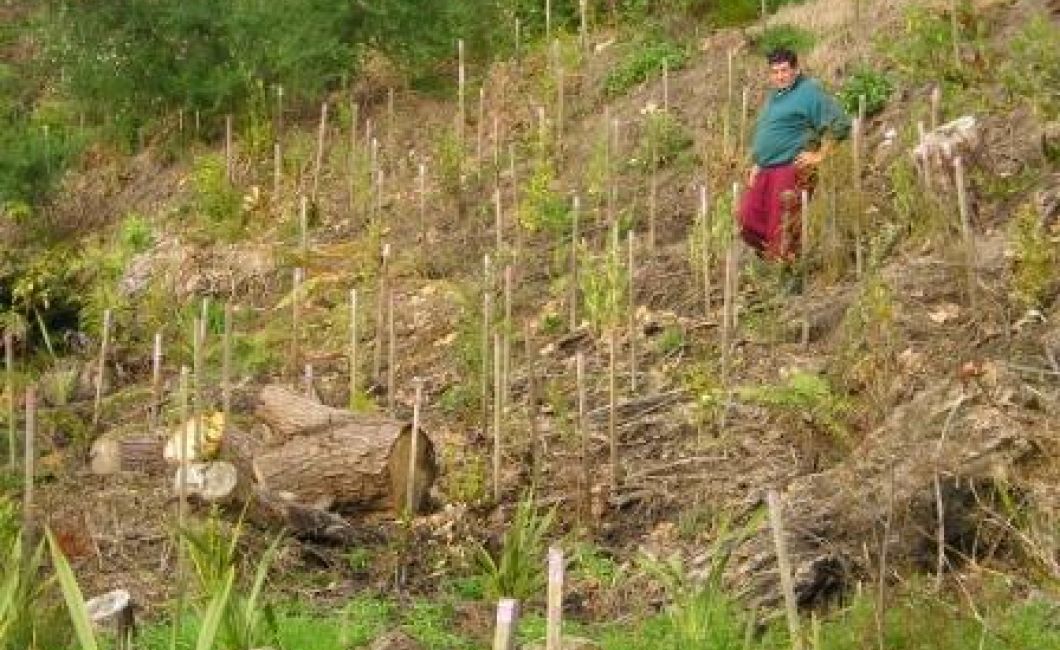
x=782, y=75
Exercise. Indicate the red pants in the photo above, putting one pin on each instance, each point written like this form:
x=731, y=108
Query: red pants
x=770, y=211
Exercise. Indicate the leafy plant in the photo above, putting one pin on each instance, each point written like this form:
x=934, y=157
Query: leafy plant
x=517, y=570
x=790, y=37
x=671, y=341
x=664, y=141
x=873, y=85
x=805, y=394
x=1036, y=253
x=1032, y=67
x=602, y=280
x=216, y=200
x=644, y=60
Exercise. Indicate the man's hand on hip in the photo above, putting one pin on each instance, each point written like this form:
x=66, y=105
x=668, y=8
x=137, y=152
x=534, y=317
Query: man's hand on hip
x=751, y=174
x=809, y=159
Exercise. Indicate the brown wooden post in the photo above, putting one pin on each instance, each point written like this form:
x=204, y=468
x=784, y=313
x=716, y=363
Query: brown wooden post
x=507, y=331
x=480, y=127
x=156, y=382
x=308, y=380
x=970, y=257
x=653, y=191
x=631, y=314
x=380, y=313
x=461, y=81
x=936, y=110
x=573, y=292
x=498, y=215
x=9, y=380
x=487, y=331
x=537, y=441
x=277, y=173
x=101, y=368
x=296, y=324
x=226, y=365
x=805, y=245
x=229, y=154
x=665, y=86
x=391, y=362
x=583, y=440
x=422, y=178
x=705, y=232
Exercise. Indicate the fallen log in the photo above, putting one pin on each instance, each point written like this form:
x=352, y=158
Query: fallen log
x=835, y=519
x=109, y=456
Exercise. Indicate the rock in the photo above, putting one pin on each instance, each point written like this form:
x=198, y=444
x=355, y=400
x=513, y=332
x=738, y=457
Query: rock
x=395, y=640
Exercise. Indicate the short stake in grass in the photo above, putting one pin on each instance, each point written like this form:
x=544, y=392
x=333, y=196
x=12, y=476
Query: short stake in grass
x=776, y=522
x=307, y=381
x=318, y=162
x=554, y=616
x=665, y=86
x=156, y=382
x=507, y=622
x=537, y=440
x=101, y=368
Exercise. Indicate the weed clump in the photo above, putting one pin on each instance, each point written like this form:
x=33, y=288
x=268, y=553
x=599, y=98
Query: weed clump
x=875, y=86
x=644, y=60
x=790, y=37
x=1035, y=253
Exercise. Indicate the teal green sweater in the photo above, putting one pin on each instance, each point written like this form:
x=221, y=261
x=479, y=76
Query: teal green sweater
x=793, y=120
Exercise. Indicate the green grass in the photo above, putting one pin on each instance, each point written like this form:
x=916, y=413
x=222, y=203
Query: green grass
x=643, y=61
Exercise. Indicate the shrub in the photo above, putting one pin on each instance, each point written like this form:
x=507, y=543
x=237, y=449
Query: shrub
x=1035, y=258
x=791, y=37
x=517, y=571
x=664, y=141
x=1032, y=69
x=645, y=59
x=874, y=85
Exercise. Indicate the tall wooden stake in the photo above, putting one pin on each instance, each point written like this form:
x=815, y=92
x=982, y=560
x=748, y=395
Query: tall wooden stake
x=612, y=412
x=29, y=465
x=507, y=331
x=9, y=380
x=665, y=86
x=226, y=365
x=410, y=487
x=858, y=215
x=936, y=111
x=303, y=227
x=498, y=217
x=318, y=162
x=391, y=355
x=308, y=378
x=354, y=335
x=480, y=127
x=653, y=191
x=970, y=261
x=422, y=184
x=156, y=382
x=631, y=313
x=101, y=368
x=705, y=225
x=583, y=28
x=583, y=439
x=277, y=172
x=229, y=154
x=498, y=415
x=380, y=313
x=537, y=441
x=573, y=293
x=461, y=81
x=805, y=245
x=776, y=522
x=487, y=331
x=554, y=615
x=296, y=324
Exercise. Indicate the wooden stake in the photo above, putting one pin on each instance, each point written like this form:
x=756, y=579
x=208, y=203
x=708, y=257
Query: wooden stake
x=936, y=111
x=955, y=29
x=583, y=28
x=609, y=180
x=182, y=481
x=507, y=331
x=29, y=464
x=518, y=46
x=498, y=413
x=548, y=21
x=9, y=380
x=229, y=163
x=805, y=244
x=101, y=369
x=971, y=261
x=559, y=106
x=391, y=122
x=784, y=565
x=744, y=100
x=653, y=191
x=296, y=316
x=380, y=313
x=498, y=225
x=391, y=355
x=461, y=80
x=226, y=364
x=318, y=162
x=155, y=417
x=410, y=487
x=665, y=86
x=487, y=331
x=583, y=439
x=573, y=293
x=537, y=441
x=858, y=216
x=307, y=381
x=480, y=127
x=303, y=227
x=727, y=116
x=704, y=219
x=279, y=113
x=423, y=201
x=354, y=378
x=277, y=172
x=554, y=616
x=507, y=622
x=631, y=310
x=612, y=413
x=515, y=203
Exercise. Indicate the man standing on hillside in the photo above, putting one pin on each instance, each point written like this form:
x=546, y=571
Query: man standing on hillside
x=791, y=139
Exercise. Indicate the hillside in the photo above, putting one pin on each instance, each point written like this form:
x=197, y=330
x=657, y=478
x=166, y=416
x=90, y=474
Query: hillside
x=605, y=367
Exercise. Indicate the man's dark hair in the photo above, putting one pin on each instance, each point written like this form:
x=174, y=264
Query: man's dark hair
x=783, y=55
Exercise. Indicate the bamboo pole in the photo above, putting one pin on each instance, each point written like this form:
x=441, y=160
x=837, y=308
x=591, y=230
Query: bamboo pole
x=198, y=371
x=101, y=368
x=422, y=185
x=507, y=622
x=182, y=493
x=666, y=86
x=9, y=380
x=704, y=220
x=554, y=615
x=480, y=127
x=498, y=415
x=351, y=174
x=307, y=380
x=776, y=522
x=858, y=212
x=277, y=172
x=303, y=227
x=612, y=412
x=609, y=180
x=559, y=106
x=279, y=113
x=548, y=21
x=936, y=111
x=653, y=191
x=354, y=378
x=970, y=261
x=495, y=144
x=410, y=487
x=726, y=122
x=583, y=440
x=391, y=122
x=537, y=440
x=955, y=29
x=29, y=465
x=515, y=203
x=583, y=26
x=744, y=101
x=498, y=216
x=391, y=355
x=615, y=154
x=318, y=162
x=573, y=293
x=507, y=331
